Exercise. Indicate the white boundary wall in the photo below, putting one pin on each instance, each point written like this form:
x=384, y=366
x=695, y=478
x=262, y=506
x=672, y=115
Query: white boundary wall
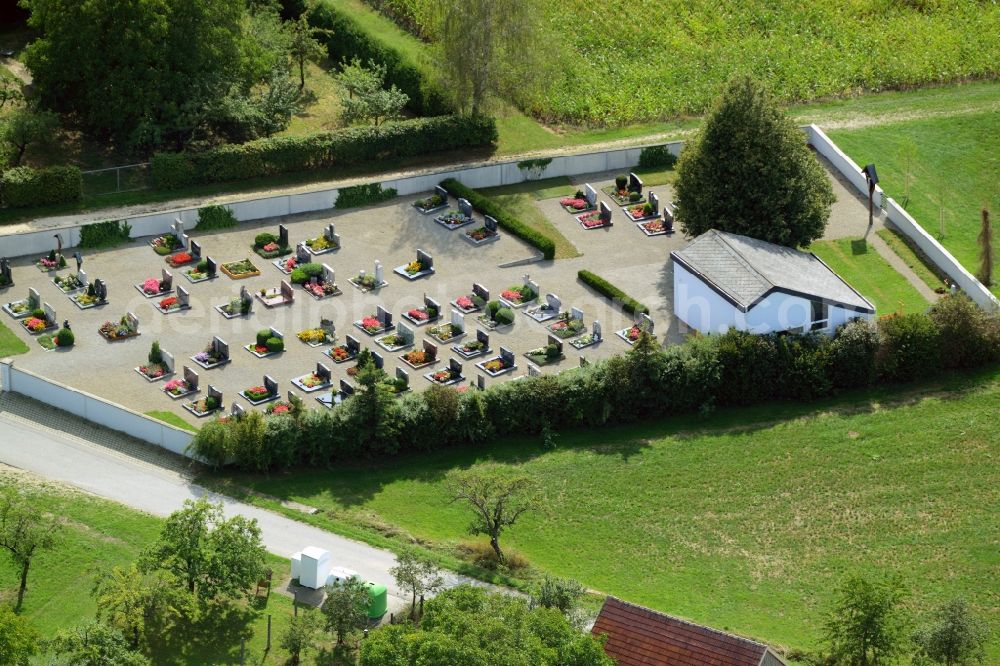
x=93, y=409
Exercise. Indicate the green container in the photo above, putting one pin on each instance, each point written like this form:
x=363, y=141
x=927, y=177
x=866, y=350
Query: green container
x=379, y=601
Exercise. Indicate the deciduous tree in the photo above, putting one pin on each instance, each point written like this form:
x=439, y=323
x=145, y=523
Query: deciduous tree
x=954, y=637
x=346, y=606
x=749, y=171
x=23, y=533
x=417, y=575
x=18, y=639
x=304, y=45
x=95, y=644
x=300, y=635
x=368, y=100
x=867, y=624
x=497, y=500
x=24, y=127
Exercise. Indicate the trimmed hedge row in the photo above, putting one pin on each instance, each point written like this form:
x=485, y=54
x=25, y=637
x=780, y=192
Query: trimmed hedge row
x=22, y=187
x=354, y=145
x=349, y=40
x=735, y=368
x=504, y=218
x=363, y=195
x=605, y=288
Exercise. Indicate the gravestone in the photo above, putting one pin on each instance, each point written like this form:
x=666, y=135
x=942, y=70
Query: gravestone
x=215, y=393
x=646, y=324
x=323, y=373
x=404, y=375
x=634, y=182
x=430, y=303
x=79, y=260
x=431, y=350
x=82, y=277
x=100, y=290
x=378, y=360
x=481, y=382
x=441, y=192
x=191, y=377
x=654, y=201
x=481, y=291
x=246, y=299
x=196, y=250
x=484, y=337
x=282, y=235
x=270, y=385
x=237, y=411
x=275, y=333
x=287, y=294
x=426, y=260
x=133, y=321
x=302, y=255
x=553, y=340
x=183, y=298
x=605, y=213
x=379, y=273
x=595, y=331
x=507, y=356
x=455, y=366
x=384, y=317
x=352, y=344
x=221, y=348
x=50, y=314
x=168, y=362
x=329, y=275
x=177, y=228
x=184, y=240
x=457, y=322
x=331, y=235
x=328, y=327
x=5, y=271
x=668, y=214
x=552, y=302
x=465, y=208
x=346, y=388
x=34, y=300
x=491, y=224
x=576, y=313
x=534, y=370
x=167, y=279
x=210, y=266
x=591, y=195
x=405, y=332
x=59, y=243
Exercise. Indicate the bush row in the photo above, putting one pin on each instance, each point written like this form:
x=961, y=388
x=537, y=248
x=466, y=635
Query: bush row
x=735, y=368
x=215, y=217
x=105, y=234
x=363, y=195
x=22, y=187
x=504, y=218
x=657, y=156
x=602, y=286
x=353, y=145
x=349, y=40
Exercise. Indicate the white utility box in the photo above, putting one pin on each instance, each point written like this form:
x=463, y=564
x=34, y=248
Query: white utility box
x=314, y=567
x=338, y=574
x=296, y=565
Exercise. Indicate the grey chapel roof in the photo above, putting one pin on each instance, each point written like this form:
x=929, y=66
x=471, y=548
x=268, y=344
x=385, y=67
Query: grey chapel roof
x=745, y=270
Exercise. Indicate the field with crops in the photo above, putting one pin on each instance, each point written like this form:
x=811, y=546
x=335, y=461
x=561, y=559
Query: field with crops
x=637, y=60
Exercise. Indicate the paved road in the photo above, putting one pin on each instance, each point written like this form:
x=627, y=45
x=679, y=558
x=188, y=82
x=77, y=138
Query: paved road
x=64, y=456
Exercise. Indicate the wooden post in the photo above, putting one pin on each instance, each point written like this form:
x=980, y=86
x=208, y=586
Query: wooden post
x=295, y=602
x=268, y=631
x=243, y=652
x=421, y=605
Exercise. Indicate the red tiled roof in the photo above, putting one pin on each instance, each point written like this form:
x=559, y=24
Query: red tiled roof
x=638, y=636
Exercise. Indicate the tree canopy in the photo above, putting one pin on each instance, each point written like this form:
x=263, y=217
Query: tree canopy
x=867, y=624
x=749, y=171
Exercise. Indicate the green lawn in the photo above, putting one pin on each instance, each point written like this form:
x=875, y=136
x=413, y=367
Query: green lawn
x=10, y=344
x=954, y=172
x=923, y=267
x=745, y=520
x=520, y=200
x=98, y=534
x=865, y=270
x=173, y=419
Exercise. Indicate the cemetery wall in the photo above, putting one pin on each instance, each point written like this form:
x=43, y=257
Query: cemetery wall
x=94, y=409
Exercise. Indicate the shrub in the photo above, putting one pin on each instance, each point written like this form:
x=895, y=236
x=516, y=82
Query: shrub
x=852, y=354
x=504, y=316
x=363, y=195
x=65, y=338
x=263, y=335
x=605, y=288
x=260, y=240
x=647, y=209
x=298, y=276
x=621, y=180
x=748, y=365
x=155, y=355
x=274, y=344
x=38, y=313
x=909, y=348
x=22, y=187
x=634, y=196
x=345, y=147
x=971, y=335
x=657, y=156
x=215, y=217
x=492, y=307
x=105, y=234
x=504, y=218
x=302, y=274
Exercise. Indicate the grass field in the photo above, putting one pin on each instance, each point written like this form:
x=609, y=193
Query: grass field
x=98, y=534
x=520, y=198
x=924, y=269
x=865, y=270
x=954, y=168
x=745, y=520
x=173, y=419
x=10, y=344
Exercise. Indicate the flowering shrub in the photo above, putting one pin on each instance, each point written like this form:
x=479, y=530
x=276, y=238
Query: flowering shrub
x=417, y=357
x=654, y=226
x=290, y=264
x=414, y=267
x=180, y=258
x=311, y=381
x=271, y=247
x=256, y=392
x=340, y=353
x=633, y=333
x=419, y=315
x=153, y=370
x=176, y=386
x=464, y=302
x=370, y=324
x=313, y=335
x=511, y=295
x=34, y=324
x=151, y=286
x=493, y=366
x=280, y=407
x=169, y=302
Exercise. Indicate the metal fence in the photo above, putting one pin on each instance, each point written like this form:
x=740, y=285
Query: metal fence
x=128, y=178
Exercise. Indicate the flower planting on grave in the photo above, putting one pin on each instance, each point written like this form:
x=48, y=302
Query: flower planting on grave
x=577, y=203
x=395, y=385
x=413, y=267
x=655, y=227
x=421, y=315
x=471, y=347
x=418, y=358
x=35, y=323
x=165, y=244
x=176, y=388
x=322, y=244
x=392, y=342
x=256, y=393
x=322, y=289
x=278, y=407
x=366, y=281
x=640, y=212
x=304, y=272
x=19, y=308
x=452, y=219
x=496, y=366
x=67, y=283
x=315, y=337
x=200, y=272
x=204, y=406
x=266, y=245
x=480, y=234
x=496, y=315
x=312, y=381
x=267, y=344
x=236, y=307
x=52, y=262
x=239, y=270
x=444, y=332
x=154, y=287
x=445, y=376
x=621, y=194
x=591, y=220
x=209, y=356
x=122, y=330
x=550, y=353
x=429, y=203
x=583, y=341
x=274, y=296
x=518, y=295
x=64, y=339
x=567, y=326
x=86, y=299
x=370, y=325
x=341, y=354
x=470, y=303
x=154, y=367
x=168, y=304
x=180, y=259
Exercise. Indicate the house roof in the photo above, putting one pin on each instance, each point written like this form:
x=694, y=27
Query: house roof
x=639, y=636
x=744, y=270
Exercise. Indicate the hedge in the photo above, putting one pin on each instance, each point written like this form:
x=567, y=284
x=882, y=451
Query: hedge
x=706, y=372
x=504, y=218
x=22, y=187
x=353, y=145
x=363, y=195
x=105, y=234
x=348, y=40
x=602, y=286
